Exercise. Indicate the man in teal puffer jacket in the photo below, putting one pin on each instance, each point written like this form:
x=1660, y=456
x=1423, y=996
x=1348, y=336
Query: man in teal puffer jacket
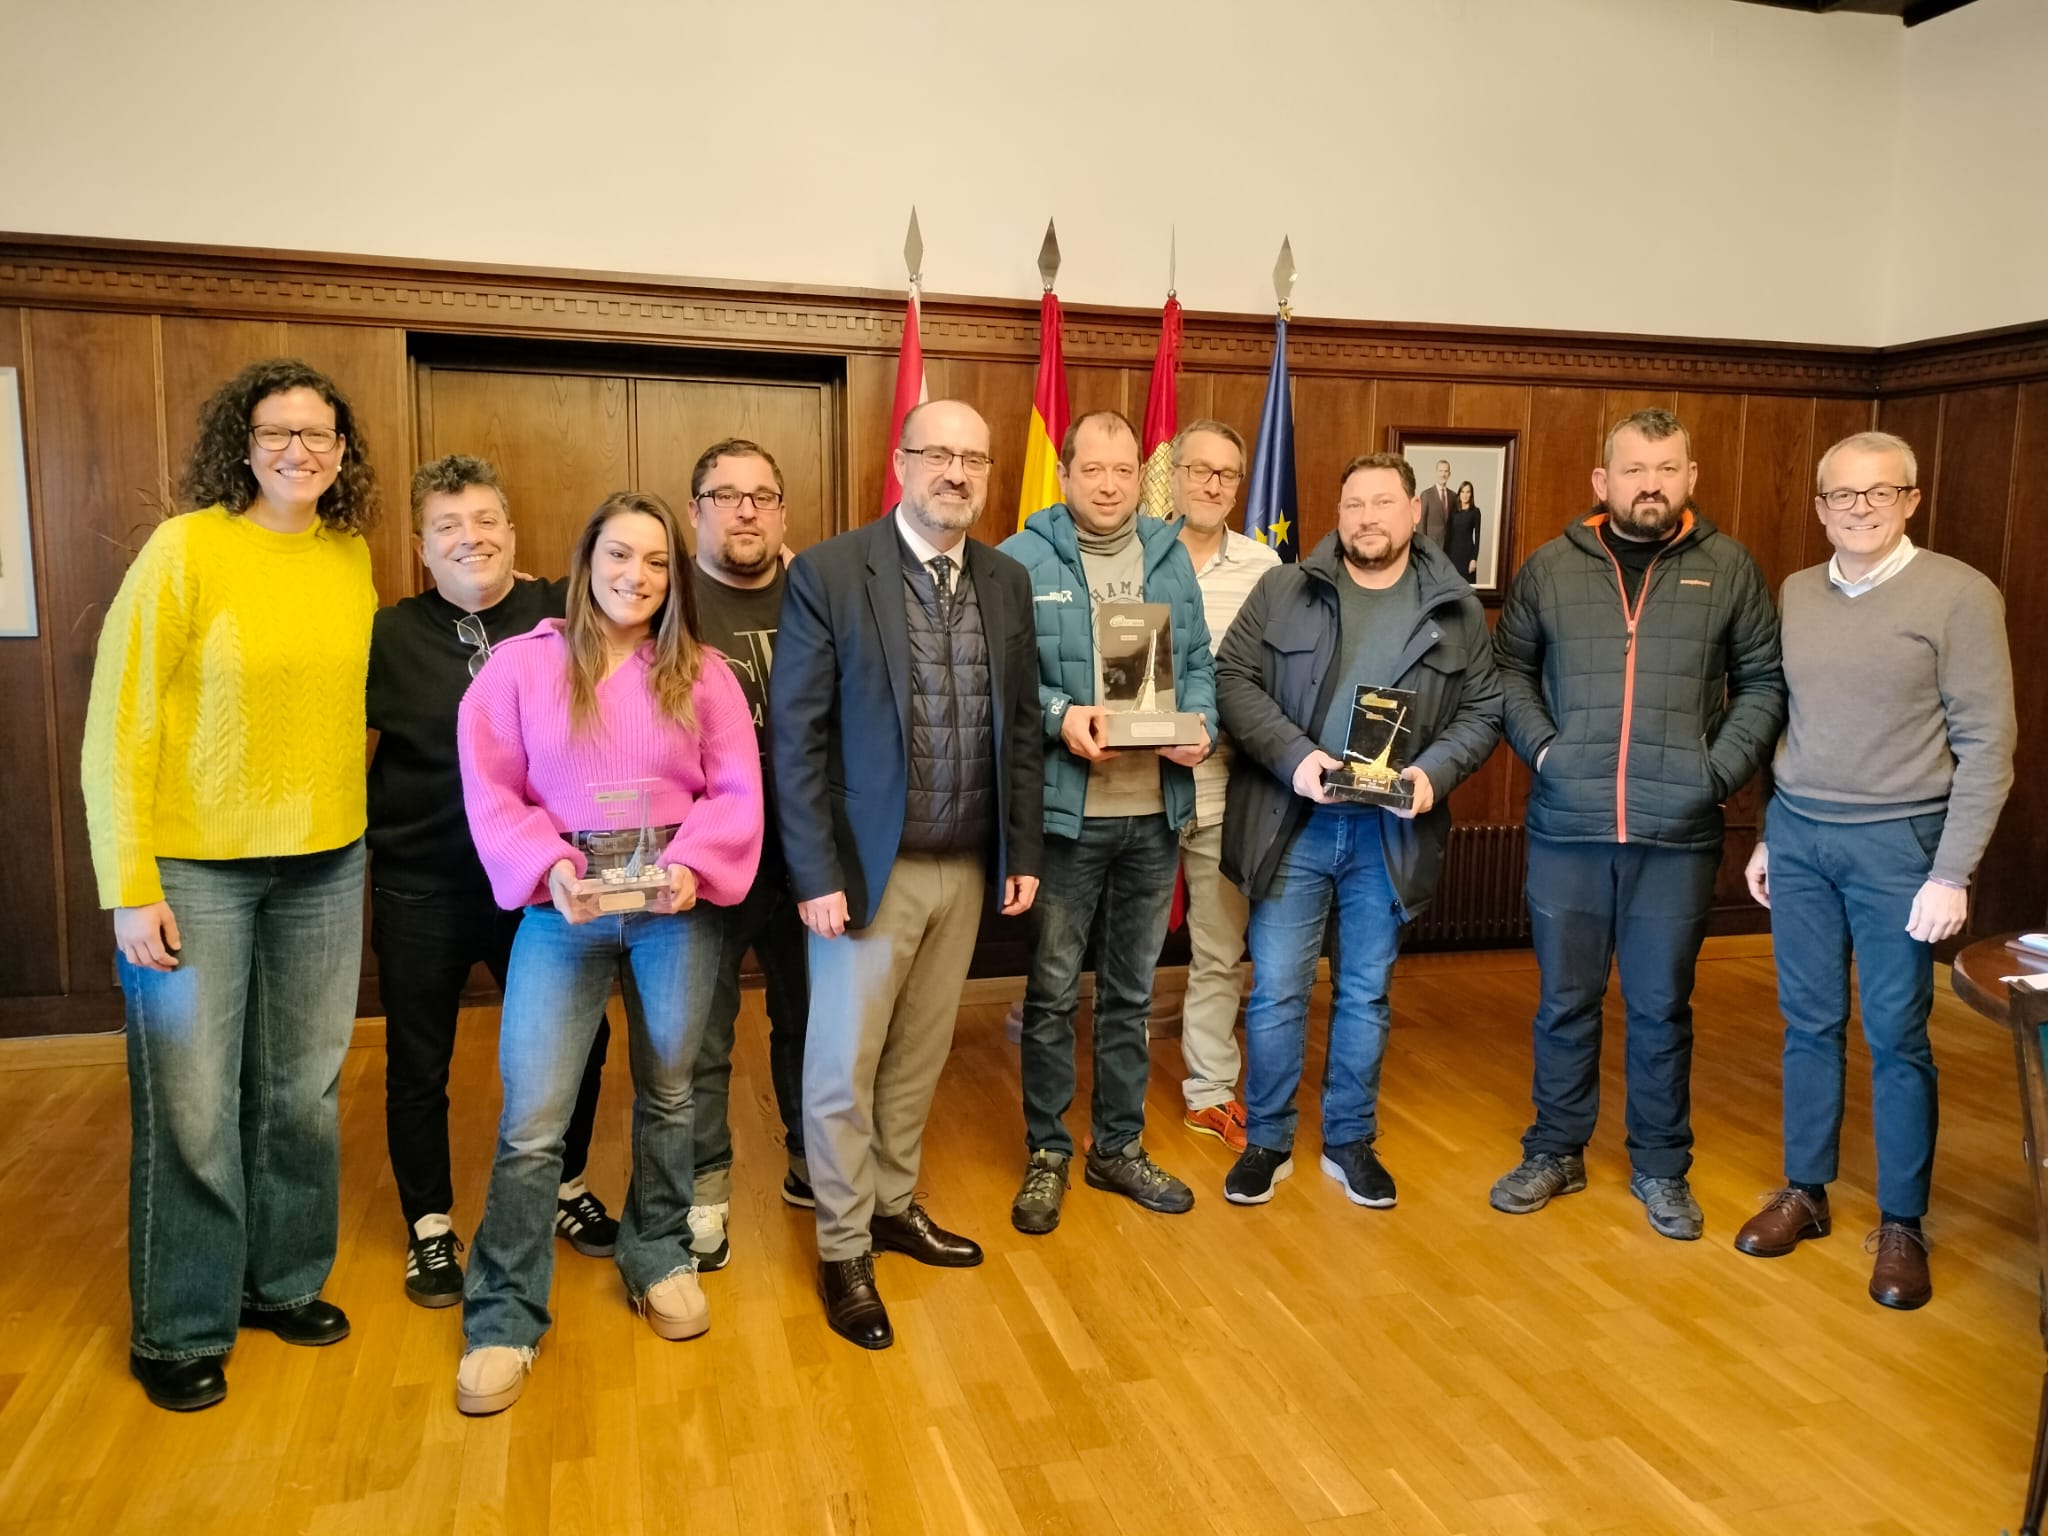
x=1112, y=820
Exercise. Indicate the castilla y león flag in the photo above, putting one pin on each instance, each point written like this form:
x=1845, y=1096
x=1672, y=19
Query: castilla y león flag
x=1162, y=413
x=910, y=393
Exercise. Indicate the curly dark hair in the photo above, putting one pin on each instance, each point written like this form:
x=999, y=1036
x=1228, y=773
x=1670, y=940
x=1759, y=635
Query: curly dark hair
x=218, y=471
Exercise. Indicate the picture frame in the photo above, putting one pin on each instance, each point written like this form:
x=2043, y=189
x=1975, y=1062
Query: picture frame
x=1485, y=458
x=17, y=547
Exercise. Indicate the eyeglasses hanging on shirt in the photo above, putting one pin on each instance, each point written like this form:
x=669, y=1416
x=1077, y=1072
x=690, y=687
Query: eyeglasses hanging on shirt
x=471, y=630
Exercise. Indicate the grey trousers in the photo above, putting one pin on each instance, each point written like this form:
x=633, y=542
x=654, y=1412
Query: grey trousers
x=1218, y=913
x=883, y=1002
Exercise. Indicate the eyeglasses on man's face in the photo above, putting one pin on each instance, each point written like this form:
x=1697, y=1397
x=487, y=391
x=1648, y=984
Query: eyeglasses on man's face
x=727, y=499
x=938, y=459
x=1878, y=497
x=277, y=439
x=1202, y=474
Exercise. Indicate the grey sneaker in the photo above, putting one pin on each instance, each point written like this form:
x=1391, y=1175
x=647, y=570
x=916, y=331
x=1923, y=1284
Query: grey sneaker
x=1037, y=1207
x=1536, y=1181
x=1135, y=1175
x=1673, y=1211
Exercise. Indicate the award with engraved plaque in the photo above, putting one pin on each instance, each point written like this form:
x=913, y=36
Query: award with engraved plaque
x=1134, y=678
x=622, y=853
x=1376, y=751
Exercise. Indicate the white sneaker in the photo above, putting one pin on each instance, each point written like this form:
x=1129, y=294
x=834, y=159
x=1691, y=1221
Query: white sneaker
x=490, y=1379
x=676, y=1308
x=708, y=1242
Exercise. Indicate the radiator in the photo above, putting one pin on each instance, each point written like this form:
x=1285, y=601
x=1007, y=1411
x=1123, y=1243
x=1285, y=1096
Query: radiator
x=1479, y=903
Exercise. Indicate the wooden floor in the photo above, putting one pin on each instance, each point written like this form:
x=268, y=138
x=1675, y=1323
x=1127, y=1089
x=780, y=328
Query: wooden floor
x=1305, y=1366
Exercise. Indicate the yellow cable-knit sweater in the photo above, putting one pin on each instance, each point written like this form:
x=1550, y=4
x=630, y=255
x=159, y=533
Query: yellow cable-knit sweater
x=226, y=718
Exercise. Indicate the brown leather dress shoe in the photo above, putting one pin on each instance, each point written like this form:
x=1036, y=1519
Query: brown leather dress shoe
x=852, y=1304
x=1899, y=1278
x=1788, y=1219
x=912, y=1231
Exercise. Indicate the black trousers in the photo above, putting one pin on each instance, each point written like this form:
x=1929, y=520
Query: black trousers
x=426, y=942
x=1591, y=906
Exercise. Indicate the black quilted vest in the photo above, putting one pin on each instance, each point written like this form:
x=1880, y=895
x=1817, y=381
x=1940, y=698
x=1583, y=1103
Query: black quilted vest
x=951, y=807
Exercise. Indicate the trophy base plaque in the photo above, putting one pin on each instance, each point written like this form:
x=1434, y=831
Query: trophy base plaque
x=617, y=891
x=1353, y=785
x=1150, y=728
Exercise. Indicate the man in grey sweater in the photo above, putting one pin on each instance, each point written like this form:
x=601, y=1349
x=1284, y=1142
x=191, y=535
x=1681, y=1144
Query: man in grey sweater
x=1895, y=762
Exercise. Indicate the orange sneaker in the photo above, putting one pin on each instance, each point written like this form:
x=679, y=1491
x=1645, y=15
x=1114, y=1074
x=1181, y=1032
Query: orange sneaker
x=1223, y=1121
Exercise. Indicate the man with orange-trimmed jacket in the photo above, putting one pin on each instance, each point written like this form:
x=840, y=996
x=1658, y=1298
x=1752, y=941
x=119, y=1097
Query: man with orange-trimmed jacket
x=1638, y=657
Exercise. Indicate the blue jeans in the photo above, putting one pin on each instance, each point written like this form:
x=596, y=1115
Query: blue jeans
x=560, y=976
x=1836, y=889
x=1113, y=883
x=1643, y=910
x=234, y=1062
x=1336, y=860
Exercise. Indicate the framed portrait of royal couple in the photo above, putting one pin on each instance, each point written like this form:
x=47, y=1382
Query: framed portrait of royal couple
x=1465, y=478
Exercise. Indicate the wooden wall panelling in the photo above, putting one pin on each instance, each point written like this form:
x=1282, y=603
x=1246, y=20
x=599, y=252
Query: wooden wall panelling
x=32, y=959
x=2010, y=889
x=1777, y=471
x=559, y=442
x=371, y=365
x=198, y=356
x=1001, y=392
x=870, y=399
x=1917, y=418
x=679, y=418
x=1978, y=429
x=1715, y=422
x=98, y=476
x=1334, y=422
x=1106, y=389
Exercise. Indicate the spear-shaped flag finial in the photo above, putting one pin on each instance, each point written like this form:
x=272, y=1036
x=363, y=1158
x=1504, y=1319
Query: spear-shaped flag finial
x=913, y=250
x=1049, y=256
x=1283, y=278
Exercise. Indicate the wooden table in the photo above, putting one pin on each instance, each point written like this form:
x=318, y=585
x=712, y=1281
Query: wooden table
x=1977, y=971
x=1976, y=977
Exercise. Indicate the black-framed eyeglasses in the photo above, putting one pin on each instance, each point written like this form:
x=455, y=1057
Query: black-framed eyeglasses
x=1877, y=496
x=277, y=439
x=937, y=458
x=1202, y=474
x=726, y=499
x=471, y=629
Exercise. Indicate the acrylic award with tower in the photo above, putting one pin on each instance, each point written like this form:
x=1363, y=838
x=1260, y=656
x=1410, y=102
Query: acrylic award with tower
x=1376, y=749
x=1134, y=678
x=622, y=852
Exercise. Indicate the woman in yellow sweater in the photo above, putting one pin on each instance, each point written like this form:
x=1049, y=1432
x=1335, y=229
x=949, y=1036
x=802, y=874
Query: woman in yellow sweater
x=223, y=776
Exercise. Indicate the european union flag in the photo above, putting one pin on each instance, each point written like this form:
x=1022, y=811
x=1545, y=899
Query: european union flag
x=1269, y=503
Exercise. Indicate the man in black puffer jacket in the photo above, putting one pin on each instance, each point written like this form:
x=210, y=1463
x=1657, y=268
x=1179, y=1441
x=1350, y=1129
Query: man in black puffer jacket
x=1638, y=656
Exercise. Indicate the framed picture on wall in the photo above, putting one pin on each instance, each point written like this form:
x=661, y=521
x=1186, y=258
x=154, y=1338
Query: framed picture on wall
x=1466, y=479
x=17, y=561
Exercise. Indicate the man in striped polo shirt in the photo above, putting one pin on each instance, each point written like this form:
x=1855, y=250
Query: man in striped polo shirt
x=1208, y=467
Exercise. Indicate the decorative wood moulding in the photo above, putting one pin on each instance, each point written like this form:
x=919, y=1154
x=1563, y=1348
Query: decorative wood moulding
x=272, y=285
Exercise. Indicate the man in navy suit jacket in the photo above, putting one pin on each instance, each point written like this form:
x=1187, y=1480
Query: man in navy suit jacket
x=909, y=777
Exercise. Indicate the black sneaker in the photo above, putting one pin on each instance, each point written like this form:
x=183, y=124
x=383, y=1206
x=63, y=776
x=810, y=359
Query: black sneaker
x=1133, y=1174
x=588, y=1226
x=1036, y=1209
x=1357, y=1170
x=796, y=1192
x=1252, y=1177
x=433, y=1274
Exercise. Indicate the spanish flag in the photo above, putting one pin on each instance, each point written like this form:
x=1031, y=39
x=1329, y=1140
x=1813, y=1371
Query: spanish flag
x=910, y=394
x=1048, y=416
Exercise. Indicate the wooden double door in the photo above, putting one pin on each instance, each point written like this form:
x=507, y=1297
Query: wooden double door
x=564, y=438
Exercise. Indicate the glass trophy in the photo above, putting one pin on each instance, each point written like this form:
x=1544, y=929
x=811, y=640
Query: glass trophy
x=1134, y=678
x=622, y=852
x=1376, y=751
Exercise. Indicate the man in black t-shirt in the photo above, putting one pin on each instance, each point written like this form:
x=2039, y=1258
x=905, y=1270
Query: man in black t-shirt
x=738, y=516
x=432, y=917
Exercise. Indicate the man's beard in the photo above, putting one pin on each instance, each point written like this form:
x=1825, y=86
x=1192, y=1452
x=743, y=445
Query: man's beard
x=728, y=560
x=953, y=519
x=1357, y=559
x=1649, y=518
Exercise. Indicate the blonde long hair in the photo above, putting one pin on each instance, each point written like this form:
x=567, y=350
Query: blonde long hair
x=678, y=648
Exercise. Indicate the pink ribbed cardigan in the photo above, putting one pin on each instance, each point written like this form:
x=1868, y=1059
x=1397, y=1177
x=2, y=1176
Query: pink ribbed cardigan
x=526, y=781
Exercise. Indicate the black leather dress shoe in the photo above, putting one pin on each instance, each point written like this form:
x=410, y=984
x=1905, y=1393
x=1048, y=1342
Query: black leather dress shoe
x=852, y=1304
x=312, y=1323
x=913, y=1231
x=181, y=1385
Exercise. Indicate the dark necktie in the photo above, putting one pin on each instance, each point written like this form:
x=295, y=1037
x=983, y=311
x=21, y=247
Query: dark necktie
x=942, y=579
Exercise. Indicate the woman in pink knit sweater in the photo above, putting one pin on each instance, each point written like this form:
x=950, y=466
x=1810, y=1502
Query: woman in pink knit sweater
x=620, y=690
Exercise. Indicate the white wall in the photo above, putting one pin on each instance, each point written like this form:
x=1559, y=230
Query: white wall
x=1970, y=244
x=1625, y=165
